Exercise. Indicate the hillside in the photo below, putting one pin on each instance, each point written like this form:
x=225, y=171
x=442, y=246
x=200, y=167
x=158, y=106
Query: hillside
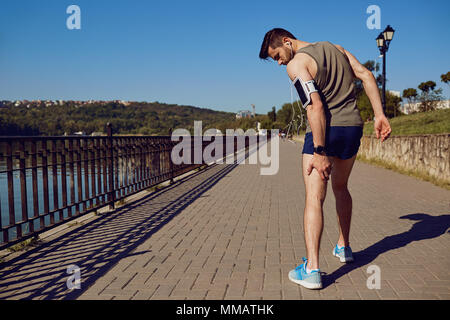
x=432, y=122
x=137, y=118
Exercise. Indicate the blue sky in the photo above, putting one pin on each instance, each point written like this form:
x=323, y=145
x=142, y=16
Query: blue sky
x=202, y=53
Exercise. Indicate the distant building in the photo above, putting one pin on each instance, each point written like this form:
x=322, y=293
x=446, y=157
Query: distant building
x=415, y=107
x=244, y=114
x=213, y=132
x=395, y=93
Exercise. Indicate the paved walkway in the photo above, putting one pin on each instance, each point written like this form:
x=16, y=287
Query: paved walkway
x=229, y=233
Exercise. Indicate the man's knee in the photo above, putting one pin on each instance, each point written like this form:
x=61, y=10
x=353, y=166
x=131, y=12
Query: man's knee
x=317, y=196
x=340, y=188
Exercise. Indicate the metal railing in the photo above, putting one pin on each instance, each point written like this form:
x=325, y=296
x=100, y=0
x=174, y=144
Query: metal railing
x=48, y=181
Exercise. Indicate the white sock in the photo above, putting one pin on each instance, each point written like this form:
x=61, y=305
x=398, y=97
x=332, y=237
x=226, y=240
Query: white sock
x=309, y=271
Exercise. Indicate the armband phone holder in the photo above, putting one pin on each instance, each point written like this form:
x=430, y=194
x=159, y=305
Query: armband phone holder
x=304, y=90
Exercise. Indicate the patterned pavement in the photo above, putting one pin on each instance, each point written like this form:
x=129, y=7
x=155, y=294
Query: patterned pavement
x=228, y=232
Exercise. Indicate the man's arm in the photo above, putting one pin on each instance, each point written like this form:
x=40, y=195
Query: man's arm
x=316, y=118
x=370, y=87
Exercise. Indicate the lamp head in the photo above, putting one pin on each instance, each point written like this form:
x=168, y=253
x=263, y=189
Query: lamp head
x=380, y=41
x=388, y=33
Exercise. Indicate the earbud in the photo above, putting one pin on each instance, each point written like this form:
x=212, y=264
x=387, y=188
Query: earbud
x=288, y=43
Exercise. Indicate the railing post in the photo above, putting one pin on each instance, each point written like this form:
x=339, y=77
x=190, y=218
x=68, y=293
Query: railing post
x=9, y=168
x=111, y=193
x=72, y=177
x=23, y=186
x=170, y=156
x=34, y=176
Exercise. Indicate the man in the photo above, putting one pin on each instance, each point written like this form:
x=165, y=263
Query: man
x=332, y=137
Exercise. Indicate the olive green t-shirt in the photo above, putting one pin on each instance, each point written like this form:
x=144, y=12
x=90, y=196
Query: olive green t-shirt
x=335, y=79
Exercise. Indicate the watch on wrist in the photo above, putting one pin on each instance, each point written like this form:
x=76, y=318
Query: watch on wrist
x=320, y=150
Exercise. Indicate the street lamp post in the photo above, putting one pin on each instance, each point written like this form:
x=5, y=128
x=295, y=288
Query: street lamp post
x=383, y=40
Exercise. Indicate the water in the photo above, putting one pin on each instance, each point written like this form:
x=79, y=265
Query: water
x=93, y=173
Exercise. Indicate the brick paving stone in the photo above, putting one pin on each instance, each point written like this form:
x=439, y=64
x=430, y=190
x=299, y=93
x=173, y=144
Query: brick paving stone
x=369, y=295
x=444, y=296
x=271, y=294
x=411, y=278
x=350, y=295
x=387, y=293
x=400, y=286
x=431, y=289
x=418, y=296
x=291, y=293
x=215, y=295
x=310, y=294
x=253, y=295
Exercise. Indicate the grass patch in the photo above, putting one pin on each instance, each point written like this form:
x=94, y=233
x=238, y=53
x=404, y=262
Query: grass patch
x=432, y=122
x=75, y=223
x=119, y=203
x=412, y=173
x=154, y=188
x=25, y=245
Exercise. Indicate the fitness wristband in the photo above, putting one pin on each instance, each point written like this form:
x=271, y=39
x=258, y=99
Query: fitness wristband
x=320, y=150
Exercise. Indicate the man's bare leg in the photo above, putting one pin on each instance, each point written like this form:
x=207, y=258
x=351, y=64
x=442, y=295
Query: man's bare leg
x=316, y=190
x=339, y=180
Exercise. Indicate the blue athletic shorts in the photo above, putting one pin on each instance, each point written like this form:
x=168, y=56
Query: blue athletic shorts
x=341, y=142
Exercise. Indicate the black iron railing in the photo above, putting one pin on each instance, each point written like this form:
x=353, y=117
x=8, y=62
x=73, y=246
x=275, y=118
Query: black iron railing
x=47, y=181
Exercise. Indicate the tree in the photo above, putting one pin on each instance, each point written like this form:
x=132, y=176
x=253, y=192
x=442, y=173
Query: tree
x=272, y=115
x=289, y=112
x=379, y=80
x=392, y=105
x=410, y=94
x=366, y=110
x=278, y=125
x=363, y=101
x=266, y=123
x=427, y=86
x=284, y=115
x=365, y=107
x=429, y=97
x=372, y=66
x=69, y=117
x=445, y=78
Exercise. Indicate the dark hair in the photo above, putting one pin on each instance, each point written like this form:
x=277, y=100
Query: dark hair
x=273, y=38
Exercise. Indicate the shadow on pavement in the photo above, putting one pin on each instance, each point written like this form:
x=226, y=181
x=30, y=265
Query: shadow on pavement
x=97, y=246
x=427, y=227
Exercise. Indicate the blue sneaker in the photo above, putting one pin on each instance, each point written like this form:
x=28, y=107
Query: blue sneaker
x=344, y=254
x=311, y=280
